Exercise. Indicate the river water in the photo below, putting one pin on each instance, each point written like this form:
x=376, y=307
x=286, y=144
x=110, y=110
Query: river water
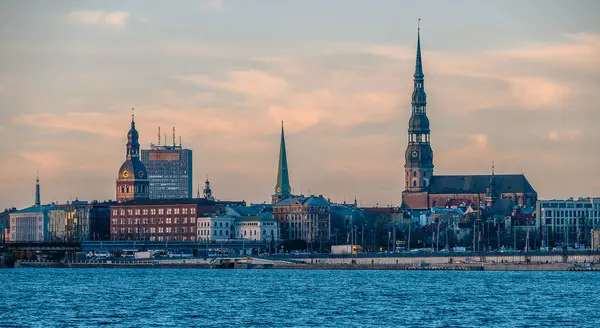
x=296, y=298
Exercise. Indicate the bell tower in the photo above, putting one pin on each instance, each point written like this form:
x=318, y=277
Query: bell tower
x=419, y=155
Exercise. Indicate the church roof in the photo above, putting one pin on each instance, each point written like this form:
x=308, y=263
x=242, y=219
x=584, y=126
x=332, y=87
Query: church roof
x=473, y=184
x=306, y=201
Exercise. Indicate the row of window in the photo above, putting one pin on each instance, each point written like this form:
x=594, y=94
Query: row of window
x=571, y=213
x=154, y=211
x=569, y=205
x=155, y=230
x=572, y=222
x=191, y=220
x=217, y=224
x=136, y=189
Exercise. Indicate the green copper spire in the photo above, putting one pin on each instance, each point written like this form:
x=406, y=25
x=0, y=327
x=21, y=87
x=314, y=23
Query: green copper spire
x=37, y=190
x=282, y=188
x=419, y=65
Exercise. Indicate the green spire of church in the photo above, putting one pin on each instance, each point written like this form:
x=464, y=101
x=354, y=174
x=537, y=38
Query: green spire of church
x=419, y=65
x=282, y=188
x=37, y=190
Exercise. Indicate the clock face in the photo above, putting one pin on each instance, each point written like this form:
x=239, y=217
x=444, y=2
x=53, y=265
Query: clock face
x=141, y=174
x=125, y=174
x=415, y=154
x=278, y=189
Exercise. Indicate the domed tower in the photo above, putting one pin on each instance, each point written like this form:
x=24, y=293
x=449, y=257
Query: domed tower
x=132, y=182
x=419, y=156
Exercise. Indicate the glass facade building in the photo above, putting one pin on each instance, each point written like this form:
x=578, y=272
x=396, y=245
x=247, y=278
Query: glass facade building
x=169, y=171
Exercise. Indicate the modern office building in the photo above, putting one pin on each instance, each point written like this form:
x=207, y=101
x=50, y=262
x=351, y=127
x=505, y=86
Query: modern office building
x=77, y=221
x=169, y=170
x=568, y=222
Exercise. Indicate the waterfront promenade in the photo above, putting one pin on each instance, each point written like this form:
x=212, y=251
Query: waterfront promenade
x=481, y=262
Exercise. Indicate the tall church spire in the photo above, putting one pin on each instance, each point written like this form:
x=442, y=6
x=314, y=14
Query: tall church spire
x=419, y=155
x=282, y=187
x=419, y=63
x=37, y=190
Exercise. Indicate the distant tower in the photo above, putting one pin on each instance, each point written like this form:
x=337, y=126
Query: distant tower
x=37, y=190
x=207, y=192
x=132, y=182
x=419, y=156
x=491, y=195
x=282, y=187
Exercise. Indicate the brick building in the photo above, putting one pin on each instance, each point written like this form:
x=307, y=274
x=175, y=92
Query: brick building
x=158, y=220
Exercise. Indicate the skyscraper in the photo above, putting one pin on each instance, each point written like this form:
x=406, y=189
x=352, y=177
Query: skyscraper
x=169, y=170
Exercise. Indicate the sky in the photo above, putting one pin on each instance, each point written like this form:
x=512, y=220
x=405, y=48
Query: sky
x=512, y=82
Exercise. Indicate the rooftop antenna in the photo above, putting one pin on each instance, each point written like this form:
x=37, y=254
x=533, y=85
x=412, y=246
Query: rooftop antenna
x=159, y=135
x=492, y=167
x=198, y=194
x=165, y=139
x=418, y=23
x=132, y=114
x=179, y=141
x=173, y=136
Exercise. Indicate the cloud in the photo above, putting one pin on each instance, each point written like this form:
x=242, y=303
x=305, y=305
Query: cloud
x=116, y=18
x=570, y=135
x=553, y=135
x=480, y=140
x=212, y=6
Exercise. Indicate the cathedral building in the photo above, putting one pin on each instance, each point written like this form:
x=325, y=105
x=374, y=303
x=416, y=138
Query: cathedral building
x=299, y=217
x=132, y=181
x=424, y=190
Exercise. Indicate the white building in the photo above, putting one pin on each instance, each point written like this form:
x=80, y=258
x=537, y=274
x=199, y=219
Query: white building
x=567, y=222
x=256, y=228
x=30, y=224
x=217, y=228
x=225, y=228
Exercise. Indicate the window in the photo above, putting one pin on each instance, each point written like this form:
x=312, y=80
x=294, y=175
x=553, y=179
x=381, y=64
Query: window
x=414, y=183
x=138, y=212
x=114, y=212
x=176, y=211
x=153, y=211
x=114, y=221
x=145, y=211
x=168, y=229
x=192, y=210
x=184, y=211
x=161, y=211
x=130, y=212
x=414, y=173
x=122, y=212
x=169, y=211
x=168, y=220
x=184, y=220
x=160, y=229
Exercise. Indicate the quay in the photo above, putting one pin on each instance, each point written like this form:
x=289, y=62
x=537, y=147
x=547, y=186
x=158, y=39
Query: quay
x=510, y=262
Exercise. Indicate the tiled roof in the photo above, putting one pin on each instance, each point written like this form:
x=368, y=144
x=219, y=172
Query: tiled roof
x=34, y=209
x=306, y=201
x=253, y=218
x=471, y=184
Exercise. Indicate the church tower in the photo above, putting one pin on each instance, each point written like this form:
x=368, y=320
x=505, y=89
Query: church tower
x=419, y=156
x=37, y=190
x=282, y=187
x=207, y=192
x=132, y=182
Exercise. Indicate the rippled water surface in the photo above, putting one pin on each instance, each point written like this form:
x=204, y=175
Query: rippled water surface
x=282, y=298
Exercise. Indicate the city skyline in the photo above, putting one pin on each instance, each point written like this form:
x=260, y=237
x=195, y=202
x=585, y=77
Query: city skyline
x=343, y=93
